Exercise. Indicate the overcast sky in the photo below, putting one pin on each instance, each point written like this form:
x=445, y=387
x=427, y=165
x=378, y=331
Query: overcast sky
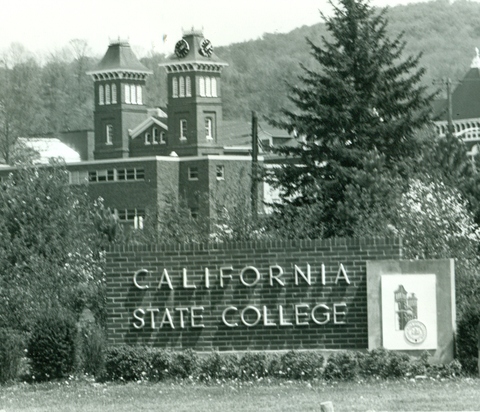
x=46, y=26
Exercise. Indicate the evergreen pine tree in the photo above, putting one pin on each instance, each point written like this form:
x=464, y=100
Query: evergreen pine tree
x=355, y=115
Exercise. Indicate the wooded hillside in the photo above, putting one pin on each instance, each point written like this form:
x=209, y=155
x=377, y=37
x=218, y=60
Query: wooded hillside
x=60, y=94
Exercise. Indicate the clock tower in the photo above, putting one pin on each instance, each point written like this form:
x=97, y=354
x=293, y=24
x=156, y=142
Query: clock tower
x=119, y=81
x=194, y=96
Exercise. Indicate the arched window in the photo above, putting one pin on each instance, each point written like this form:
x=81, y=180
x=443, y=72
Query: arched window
x=155, y=136
x=183, y=129
x=108, y=99
x=139, y=94
x=127, y=93
x=133, y=94
x=201, y=86
x=188, y=87
x=101, y=95
x=208, y=86
x=114, y=93
x=162, y=138
x=175, y=87
x=147, y=138
x=182, y=86
x=214, y=87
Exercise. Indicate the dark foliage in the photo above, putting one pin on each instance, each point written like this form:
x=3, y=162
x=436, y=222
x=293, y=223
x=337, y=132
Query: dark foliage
x=12, y=344
x=52, y=345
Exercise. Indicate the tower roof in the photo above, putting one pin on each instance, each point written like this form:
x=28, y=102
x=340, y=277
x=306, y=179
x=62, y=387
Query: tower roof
x=465, y=97
x=119, y=58
x=198, y=54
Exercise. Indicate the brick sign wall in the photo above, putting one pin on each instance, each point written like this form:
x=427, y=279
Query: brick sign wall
x=258, y=296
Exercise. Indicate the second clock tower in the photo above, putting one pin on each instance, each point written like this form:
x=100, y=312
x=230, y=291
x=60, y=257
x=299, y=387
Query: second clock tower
x=194, y=96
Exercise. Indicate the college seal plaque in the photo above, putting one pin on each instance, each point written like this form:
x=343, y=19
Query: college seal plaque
x=415, y=331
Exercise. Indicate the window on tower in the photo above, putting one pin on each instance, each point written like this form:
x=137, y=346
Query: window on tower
x=127, y=93
x=209, y=128
x=201, y=84
x=188, y=87
x=114, y=93
x=175, y=87
x=101, y=95
x=133, y=94
x=108, y=99
x=183, y=129
x=139, y=94
x=208, y=87
x=214, y=87
x=109, y=134
x=182, y=86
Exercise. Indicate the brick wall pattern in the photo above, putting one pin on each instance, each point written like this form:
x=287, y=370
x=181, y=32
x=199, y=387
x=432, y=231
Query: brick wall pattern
x=191, y=314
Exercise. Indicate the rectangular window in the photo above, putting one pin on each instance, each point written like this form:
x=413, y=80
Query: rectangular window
x=127, y=94
x=133, y=94
x=209, y=128
x=220, y=172
x=139, y=95
x=183, y=129
x=175, y=87
x=78, y=177
x=114, y=93
x=101, y=95
x=193, y=173
x=108, y=98
x=182, y=86
x=106, y=175
x=109, y=134
x=132, y=216
x=188, y=87
x=111, y=175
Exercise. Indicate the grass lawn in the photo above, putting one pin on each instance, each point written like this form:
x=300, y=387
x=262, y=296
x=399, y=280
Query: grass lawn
x=450, y=395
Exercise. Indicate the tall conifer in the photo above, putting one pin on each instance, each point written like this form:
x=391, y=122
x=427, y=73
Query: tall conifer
x=355, y=115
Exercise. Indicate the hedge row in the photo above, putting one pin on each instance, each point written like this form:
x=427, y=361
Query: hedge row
x=138, y=363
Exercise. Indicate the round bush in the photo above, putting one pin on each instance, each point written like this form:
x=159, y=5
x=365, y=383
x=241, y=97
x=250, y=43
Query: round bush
x=51, y=347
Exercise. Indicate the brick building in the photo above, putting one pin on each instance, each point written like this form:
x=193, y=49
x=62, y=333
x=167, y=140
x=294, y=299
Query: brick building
x=137, y=157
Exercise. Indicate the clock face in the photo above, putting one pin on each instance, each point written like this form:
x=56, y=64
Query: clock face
x=182, y=48
x=206, y=48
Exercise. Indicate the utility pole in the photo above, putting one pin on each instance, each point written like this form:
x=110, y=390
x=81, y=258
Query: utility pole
x=254, y=193
x=448, y=83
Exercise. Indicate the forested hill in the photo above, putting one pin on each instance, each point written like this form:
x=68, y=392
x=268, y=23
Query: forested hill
x=445, y=33
x=58, y=95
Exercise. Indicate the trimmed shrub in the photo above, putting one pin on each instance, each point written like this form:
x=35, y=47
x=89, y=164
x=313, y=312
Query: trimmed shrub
x=254, y=365
x=128, y=363
x=301, y=365
x=11, y=353
x=185, y=364
x=160, y=364
x=343, y=366
x=385, y=364
x=92, y=348
x=51, y=347
x=219, y=367
x=468, y=339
